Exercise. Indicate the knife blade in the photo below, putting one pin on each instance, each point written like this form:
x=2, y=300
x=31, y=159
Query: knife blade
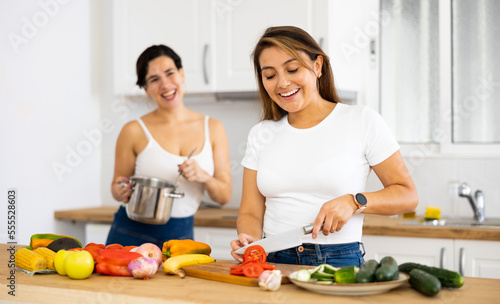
x=285, y=240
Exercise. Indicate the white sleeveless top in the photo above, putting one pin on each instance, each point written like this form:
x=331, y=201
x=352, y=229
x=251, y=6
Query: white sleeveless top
x=154, y=161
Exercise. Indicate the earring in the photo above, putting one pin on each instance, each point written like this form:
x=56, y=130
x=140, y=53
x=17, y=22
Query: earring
x=319, y=76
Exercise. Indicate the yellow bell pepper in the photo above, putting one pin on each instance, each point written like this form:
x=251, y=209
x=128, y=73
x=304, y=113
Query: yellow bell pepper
x=178, y=247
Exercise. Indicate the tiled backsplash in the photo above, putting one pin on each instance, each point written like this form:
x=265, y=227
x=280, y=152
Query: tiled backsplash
x=436, y=178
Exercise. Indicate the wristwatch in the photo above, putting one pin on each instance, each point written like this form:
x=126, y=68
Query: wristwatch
x=361, y=202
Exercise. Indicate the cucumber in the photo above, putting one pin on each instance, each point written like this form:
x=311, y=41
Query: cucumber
x=366, y=273
x=447, y=278
x=346, y=275
x=323, y=272
x=303, y=275
x=388, y=270
x=424, y=282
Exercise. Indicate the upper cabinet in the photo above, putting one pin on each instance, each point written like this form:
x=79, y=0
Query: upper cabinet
x=239, y=25
x=214, y=38
x=185, y=26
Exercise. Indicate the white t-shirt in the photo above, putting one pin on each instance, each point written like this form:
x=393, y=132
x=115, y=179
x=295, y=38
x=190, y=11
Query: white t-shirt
x=298, y=170
x=154, y=161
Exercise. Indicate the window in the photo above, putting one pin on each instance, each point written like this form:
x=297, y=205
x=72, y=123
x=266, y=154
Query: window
x=440, y=72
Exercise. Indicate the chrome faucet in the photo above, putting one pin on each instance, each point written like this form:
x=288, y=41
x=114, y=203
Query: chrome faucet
x=476, y=201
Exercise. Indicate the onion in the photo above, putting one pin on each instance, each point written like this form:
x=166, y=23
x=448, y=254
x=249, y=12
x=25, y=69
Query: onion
x=143, y=267
x=270, y=280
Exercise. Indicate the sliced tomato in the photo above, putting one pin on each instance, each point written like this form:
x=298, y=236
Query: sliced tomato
x=252, y=270
x=255, y=253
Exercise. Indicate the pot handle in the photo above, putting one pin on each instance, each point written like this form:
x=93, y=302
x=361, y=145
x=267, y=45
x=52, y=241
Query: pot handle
x=175, y=194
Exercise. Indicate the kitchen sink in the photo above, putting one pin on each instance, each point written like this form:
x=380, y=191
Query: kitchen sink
x=455, y=222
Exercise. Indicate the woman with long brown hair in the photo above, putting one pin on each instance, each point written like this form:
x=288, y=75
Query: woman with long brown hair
x=308, y=160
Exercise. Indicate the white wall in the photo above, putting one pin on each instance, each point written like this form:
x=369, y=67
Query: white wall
x=49, y=94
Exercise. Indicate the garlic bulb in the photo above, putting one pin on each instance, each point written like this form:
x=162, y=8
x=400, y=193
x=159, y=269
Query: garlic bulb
x=270, y=280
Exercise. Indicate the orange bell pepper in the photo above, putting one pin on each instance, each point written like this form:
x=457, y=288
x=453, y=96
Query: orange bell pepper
x=178, y=247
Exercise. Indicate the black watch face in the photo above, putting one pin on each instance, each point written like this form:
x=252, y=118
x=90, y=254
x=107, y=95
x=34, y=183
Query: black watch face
x=361, y=199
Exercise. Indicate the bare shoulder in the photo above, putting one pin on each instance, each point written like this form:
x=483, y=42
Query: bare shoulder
x=217, y=130
x=131, y=130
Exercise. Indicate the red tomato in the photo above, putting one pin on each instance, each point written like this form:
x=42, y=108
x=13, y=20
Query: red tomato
x=255, y=253
x=252, y=270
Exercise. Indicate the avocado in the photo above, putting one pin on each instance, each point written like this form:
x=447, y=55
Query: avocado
x=63, y=243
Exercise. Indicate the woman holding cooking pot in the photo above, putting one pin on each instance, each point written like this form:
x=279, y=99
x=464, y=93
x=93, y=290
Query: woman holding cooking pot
x=308, y=160
x=158, y=145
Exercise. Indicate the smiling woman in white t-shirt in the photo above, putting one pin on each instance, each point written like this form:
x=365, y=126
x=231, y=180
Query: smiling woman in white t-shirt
x=308, y=160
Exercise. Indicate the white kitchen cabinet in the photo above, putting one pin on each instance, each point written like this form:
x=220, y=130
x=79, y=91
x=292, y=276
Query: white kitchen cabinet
x=478, y=258
x=219, y=240
x=469, y=257
x=239, y=24
x=428, y=251
x=214, y=38
x=185, y=26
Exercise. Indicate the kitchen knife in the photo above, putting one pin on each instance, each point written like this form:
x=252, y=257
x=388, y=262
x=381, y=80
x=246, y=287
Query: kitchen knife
x=285, y=240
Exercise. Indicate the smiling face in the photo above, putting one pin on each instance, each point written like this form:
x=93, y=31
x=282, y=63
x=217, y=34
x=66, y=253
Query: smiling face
x=288, y=82
x=164, y=82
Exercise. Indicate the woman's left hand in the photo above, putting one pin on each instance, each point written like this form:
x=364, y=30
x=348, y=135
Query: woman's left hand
x=192, y=172
x=334, y=214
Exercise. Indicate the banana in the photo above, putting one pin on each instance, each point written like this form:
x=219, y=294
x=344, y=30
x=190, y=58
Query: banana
x=174, y=264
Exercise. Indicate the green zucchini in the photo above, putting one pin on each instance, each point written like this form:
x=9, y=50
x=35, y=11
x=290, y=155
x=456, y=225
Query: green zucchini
x=366, y=273
x=346, y=275
x=447, y=278
x=424, y=282
x=388, y=270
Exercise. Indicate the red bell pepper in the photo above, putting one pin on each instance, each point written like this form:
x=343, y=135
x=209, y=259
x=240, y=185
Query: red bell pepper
x=115, y=262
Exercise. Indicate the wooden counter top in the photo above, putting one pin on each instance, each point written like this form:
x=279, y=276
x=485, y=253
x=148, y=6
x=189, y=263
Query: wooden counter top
x=162, y=288
x=373, y=224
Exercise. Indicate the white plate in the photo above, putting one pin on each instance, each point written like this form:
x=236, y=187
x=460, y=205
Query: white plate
x=357, y=289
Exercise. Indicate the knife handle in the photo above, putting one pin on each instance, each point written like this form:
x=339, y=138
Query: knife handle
x=308, y=229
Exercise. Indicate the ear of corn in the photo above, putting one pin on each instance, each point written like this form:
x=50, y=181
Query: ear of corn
x=48, y=255
x=30, y=260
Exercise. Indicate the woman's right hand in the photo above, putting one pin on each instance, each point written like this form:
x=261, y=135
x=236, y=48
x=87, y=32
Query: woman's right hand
x=122, y=189
x=243, y=240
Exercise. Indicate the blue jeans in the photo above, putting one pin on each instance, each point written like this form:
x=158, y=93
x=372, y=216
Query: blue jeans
x=314, y=254
x=127, y=232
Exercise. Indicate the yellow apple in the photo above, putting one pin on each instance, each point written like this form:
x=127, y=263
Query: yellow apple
x=59, y=260
x=79, y=265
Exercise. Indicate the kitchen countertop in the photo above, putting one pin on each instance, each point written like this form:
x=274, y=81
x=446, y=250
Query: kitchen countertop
x=373, y=224
x=162, y=288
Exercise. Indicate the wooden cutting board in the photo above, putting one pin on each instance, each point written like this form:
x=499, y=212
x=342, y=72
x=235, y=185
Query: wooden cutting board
x=219, y=271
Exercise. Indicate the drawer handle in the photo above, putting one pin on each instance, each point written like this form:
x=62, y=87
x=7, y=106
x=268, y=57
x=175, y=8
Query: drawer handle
x=461, y=261
x=205, y=71
x=441, y=258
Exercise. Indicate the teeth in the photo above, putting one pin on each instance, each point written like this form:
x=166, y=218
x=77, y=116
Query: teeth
x=289, y=93
x=169, y=93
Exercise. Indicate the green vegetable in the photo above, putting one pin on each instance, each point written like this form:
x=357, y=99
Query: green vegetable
x=388, y=270
x=323, y=272
x=346, y=275
x=303, y=275
x=424, y=282
x=447, y=278
x=366, y=273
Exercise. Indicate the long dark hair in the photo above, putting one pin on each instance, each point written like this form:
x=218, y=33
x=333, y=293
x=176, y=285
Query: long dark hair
x=292, y=40
x=152, y=53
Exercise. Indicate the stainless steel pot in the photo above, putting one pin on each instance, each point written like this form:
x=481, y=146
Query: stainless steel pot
x=152, y=200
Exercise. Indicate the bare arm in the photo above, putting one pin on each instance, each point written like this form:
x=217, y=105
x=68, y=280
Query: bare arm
x=219, y=185
x=251, y=213
x=125, y=157
x=399, y=195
